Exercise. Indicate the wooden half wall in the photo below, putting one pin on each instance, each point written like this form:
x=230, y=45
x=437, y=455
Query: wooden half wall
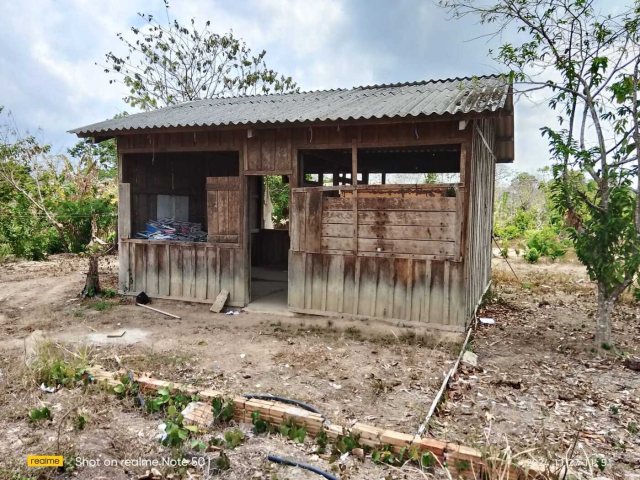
x=182, y=271
x=384, y=252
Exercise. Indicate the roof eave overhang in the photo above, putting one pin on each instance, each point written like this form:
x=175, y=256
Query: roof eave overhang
x=101, y=135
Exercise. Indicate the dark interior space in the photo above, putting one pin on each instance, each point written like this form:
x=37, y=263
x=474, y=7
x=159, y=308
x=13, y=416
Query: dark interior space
x=269, y=246
x=173, y=184
x=385, y=165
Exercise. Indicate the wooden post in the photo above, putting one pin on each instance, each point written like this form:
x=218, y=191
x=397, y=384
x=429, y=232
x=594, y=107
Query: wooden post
x=124, y=232
x=354, y=162
x=124, y=210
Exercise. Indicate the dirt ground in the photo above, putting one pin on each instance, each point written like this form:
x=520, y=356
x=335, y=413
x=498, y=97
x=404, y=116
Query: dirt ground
x=538, y=386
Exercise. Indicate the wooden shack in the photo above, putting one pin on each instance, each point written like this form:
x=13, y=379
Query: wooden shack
x=391, y=197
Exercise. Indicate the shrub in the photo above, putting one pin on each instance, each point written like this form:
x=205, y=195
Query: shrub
x=531, y=255
x=547, y=242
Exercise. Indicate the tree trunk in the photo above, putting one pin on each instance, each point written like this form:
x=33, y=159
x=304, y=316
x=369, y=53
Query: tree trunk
x=603, y=319
x=92, y=285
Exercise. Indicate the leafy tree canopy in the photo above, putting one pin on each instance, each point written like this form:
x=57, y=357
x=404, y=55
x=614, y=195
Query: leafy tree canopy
x=172, y=62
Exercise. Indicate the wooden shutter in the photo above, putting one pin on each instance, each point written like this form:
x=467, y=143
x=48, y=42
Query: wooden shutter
x=224, y=207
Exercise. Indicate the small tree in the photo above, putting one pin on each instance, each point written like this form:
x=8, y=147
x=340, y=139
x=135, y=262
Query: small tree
x=589, y=62
x=54, y=203
x=173, y=63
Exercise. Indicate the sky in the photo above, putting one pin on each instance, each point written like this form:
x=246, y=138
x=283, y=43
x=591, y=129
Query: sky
x=51, y=51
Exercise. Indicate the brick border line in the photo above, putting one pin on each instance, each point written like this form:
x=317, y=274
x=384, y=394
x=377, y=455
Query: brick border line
x=277, y=413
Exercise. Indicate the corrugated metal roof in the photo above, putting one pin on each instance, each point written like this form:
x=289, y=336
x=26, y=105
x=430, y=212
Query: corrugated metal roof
x=431, y=97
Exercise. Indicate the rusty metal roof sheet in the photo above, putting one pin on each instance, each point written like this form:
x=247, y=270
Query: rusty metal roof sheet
x=430, y=97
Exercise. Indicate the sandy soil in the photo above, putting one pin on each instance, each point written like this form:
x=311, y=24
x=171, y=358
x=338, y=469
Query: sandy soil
x=383, y=375
x=538, y=386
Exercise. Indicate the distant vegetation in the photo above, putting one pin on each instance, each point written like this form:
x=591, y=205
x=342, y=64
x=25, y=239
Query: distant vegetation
x=54, y=203
x=525, y=222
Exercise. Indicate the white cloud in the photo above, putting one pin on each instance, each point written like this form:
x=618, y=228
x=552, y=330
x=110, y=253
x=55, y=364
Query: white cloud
x=49, y=79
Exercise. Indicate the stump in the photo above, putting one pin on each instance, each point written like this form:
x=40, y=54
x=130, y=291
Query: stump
x=92, y=284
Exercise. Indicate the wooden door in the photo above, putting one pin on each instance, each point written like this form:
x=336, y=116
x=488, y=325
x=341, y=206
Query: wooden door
x=224, y=208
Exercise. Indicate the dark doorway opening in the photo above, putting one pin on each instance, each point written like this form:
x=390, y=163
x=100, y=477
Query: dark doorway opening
x=269, y=241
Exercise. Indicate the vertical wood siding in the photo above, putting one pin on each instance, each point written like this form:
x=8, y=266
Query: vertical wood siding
x=184, y=271
x=399, y=261
x=480, y=215
x=387, y=288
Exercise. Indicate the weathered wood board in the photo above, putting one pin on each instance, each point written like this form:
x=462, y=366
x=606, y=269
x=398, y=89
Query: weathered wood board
x=184, y=271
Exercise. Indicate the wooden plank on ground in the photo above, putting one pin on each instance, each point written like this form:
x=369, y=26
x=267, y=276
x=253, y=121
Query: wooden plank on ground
x=220, y=300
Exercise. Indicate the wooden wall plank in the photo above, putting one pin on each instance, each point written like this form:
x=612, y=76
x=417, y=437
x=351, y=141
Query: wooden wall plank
x=425, y=219
x=401, y=286
x=151, y=286
x=201, y=272
x=391, y=232
x=422, y=204
x=188, y=271
x=124, y=232
x=140, y=268
x=213, y=277
x=227, y=270
x=436, y=292
x=124, y=269
x=296, y=287
x=313, y=214
x=385, y=287
x=427, y=247
x=164, y=270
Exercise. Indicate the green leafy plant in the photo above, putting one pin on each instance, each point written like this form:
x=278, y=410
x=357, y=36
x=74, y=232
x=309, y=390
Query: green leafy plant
x=198, y=444
x=322, y=440
x=387, y=455
x=55, y=367
x=547, y=242
x=109, y=293
x=591, y=79
x=531, y=255
x=175, y=431
x=601, y=463
x=427, y=460
x=100, y=305
x=346, y=443
x=259, y=425
x=293, y=432
x=233, y=438
x=38, y=414
x=79, y=422
x=222, y=410
x=127, y=387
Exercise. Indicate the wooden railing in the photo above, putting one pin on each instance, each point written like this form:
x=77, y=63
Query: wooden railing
x=381, y=220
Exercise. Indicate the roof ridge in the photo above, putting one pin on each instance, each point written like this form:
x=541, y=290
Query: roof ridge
x=409, y=83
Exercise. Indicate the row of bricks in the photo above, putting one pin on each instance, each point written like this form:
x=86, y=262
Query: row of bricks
x=277, y=413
